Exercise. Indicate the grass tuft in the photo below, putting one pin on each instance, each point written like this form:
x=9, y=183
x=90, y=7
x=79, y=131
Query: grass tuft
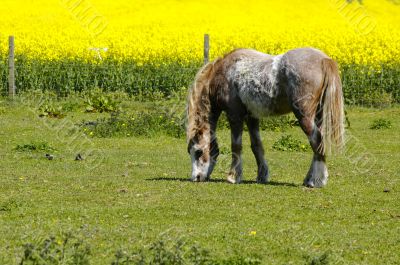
x=320, y=260
x=9, y=205
x=143, y=123
x=381, y=124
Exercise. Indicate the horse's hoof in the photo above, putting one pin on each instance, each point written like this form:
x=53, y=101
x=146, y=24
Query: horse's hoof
x=312, y=183
x=262, y=180
x=308, y=185
x=233, y=179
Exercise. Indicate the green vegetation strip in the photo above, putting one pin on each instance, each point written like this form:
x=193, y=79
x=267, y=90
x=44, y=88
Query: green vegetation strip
x=363, y=84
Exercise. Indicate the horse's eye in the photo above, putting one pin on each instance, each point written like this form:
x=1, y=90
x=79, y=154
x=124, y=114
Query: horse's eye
x=198, y=154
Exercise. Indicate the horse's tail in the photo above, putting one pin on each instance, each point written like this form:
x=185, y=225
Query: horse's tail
x=332, y=107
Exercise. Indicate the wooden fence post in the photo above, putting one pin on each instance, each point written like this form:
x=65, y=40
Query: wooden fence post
x=11, y=67
x=206, y=48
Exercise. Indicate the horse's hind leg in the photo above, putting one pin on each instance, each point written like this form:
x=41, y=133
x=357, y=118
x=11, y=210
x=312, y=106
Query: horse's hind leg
x=258, y=150
x=317, y=175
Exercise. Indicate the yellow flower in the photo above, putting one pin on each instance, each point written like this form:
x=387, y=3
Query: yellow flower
x=253, y=233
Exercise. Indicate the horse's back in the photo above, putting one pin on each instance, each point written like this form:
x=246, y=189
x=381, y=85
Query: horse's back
x=250, y=54
x=305, y=57
x=303, y=70
x=306, y=62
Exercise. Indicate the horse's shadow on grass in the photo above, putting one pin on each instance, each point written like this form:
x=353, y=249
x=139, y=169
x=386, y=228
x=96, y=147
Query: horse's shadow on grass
x=244, y=182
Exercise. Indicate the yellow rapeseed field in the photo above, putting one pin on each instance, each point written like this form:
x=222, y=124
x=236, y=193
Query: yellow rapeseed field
x=172, y=30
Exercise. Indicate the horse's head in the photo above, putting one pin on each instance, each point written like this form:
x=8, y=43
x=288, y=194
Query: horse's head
x=203, y=150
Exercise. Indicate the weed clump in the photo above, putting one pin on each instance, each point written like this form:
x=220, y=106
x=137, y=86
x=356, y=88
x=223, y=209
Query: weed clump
x=51, y=111
x=177, y=252
x=2, y=109
x=68, y=249
x=34, y=147
x=319, y=260
x=381, y=124
x=289, y=143
x=98, y=101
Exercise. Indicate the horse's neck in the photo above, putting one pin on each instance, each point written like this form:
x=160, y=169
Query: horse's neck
x=213, y=120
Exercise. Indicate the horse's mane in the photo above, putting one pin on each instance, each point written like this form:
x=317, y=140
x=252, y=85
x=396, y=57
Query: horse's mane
x=198, y=103
x=205, y=86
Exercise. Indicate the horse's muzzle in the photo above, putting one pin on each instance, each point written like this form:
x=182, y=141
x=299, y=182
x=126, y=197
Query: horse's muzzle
x=200, y=178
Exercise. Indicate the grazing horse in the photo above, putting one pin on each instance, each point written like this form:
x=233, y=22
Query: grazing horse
x=248, y=85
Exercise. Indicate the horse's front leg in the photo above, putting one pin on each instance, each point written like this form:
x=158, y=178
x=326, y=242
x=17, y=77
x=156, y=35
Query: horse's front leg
x=256, y=146
x=236, y=171
x=214, y=149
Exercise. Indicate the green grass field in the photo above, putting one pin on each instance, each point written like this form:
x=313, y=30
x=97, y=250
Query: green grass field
x=134, y=191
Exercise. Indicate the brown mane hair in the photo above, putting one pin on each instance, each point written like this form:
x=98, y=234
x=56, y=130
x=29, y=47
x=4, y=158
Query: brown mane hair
x=198, y=107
